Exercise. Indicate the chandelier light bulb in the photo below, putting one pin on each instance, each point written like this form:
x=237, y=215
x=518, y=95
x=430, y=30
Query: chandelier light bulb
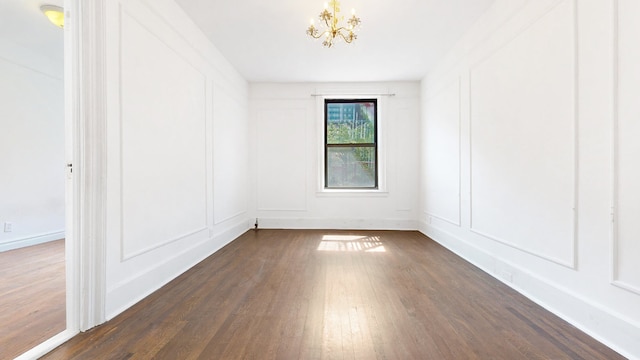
x=311, y=22
x=326, y=5
x=353, y=11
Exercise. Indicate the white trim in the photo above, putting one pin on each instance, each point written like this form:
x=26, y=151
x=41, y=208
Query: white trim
x=615, y=162
x=441, y=218
x=576, y=134
x=32, y=240
x=572, y=263
x=50, y=344
x=74, y=146
x=128, y=10
x=613, y=234
x=360, y=94
x=259, y=114
x=89, y=72
x=148, y=281
x=72, y=77
x=564, y=263
x=128, y=256
x=456, y=82
x=351, y=193
x=603, y=324
x=382, y=117
x=338, y=224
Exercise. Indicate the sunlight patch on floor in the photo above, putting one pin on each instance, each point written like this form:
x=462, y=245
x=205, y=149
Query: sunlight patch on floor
x=351, y=243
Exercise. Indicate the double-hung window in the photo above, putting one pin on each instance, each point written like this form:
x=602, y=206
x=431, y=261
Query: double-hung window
x=350, y=144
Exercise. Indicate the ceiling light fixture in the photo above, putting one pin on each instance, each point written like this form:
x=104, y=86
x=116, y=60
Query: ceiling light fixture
x=330, y=22
x=55, y=14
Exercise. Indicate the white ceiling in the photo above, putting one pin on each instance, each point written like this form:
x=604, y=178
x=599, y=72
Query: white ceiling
x=399, y=39
x=28, y=38
x=266, y=40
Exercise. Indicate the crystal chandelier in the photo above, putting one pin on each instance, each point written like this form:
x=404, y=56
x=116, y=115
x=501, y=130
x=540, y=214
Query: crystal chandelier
x=331, y=28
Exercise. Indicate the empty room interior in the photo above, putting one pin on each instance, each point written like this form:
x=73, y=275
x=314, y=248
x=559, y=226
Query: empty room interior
x=438, y=179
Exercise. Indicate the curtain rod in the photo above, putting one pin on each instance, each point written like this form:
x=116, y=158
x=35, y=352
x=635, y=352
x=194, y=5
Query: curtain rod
x=385, y=94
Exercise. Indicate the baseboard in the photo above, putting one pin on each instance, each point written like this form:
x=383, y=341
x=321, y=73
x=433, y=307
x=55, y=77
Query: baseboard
x=600, y=323
x=32, y=240
x=337, y=224
x=152, y=279
x=45, y=347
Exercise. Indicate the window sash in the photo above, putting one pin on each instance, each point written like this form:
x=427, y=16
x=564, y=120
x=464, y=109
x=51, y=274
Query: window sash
x=373, y=145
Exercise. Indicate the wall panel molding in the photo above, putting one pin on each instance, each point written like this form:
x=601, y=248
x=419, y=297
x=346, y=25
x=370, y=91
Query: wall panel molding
x=230, y=150
x=162, y=167
x=568, y=260
x=609, y=327
x=288, y=196
x=625, y=71
x=208, y=55
x=401, y=147
x=455, y=86
x=146, y=281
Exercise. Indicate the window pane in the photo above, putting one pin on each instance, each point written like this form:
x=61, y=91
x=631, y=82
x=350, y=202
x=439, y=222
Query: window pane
x=351, y=167
x=350, y=123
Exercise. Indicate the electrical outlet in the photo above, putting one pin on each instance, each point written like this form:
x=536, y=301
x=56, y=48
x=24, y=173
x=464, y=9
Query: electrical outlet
x=8, y=227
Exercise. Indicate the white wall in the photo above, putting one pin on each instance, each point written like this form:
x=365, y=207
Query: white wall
x=527, y=143
x=287, y=147
x=177, y=140
x=31, y=147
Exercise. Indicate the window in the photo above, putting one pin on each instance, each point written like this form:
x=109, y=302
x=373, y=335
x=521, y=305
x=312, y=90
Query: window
x=351, y=144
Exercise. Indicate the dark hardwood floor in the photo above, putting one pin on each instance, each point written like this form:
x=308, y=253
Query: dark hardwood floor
x=289, y=294
x=32, y=297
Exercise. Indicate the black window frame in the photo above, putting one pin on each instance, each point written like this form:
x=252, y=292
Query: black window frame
x=373, y=145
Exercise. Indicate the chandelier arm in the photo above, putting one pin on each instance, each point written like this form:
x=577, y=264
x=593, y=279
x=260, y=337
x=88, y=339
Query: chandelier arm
x=344, y=38
x=320, y=34
x=315, y=37
x=345, y=29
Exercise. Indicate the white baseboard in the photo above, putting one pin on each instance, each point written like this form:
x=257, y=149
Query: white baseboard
x=337, y=224
x=152, y=279
x=600, y=323
x=45, y=347
x=31, y=240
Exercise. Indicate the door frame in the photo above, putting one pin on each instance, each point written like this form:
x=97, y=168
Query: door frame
x=85, y=156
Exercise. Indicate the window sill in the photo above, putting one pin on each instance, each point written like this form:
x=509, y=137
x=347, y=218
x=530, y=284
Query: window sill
x=351, y=193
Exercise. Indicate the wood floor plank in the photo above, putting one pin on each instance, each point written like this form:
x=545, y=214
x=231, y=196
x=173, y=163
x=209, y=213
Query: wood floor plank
x=311, y=294
x=32, y=296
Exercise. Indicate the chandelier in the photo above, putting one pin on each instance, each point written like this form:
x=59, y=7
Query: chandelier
x=332, y=30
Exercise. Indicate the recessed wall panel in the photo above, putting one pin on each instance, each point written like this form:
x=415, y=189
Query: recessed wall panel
x=230, y=157
x=163, y=142
x=523, y=159
x=627, y=249
x=442, y=138
x=282, y=161
x=406, y=156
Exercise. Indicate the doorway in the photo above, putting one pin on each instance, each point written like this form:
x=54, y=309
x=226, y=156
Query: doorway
x=32, y=181
x=43, y=132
